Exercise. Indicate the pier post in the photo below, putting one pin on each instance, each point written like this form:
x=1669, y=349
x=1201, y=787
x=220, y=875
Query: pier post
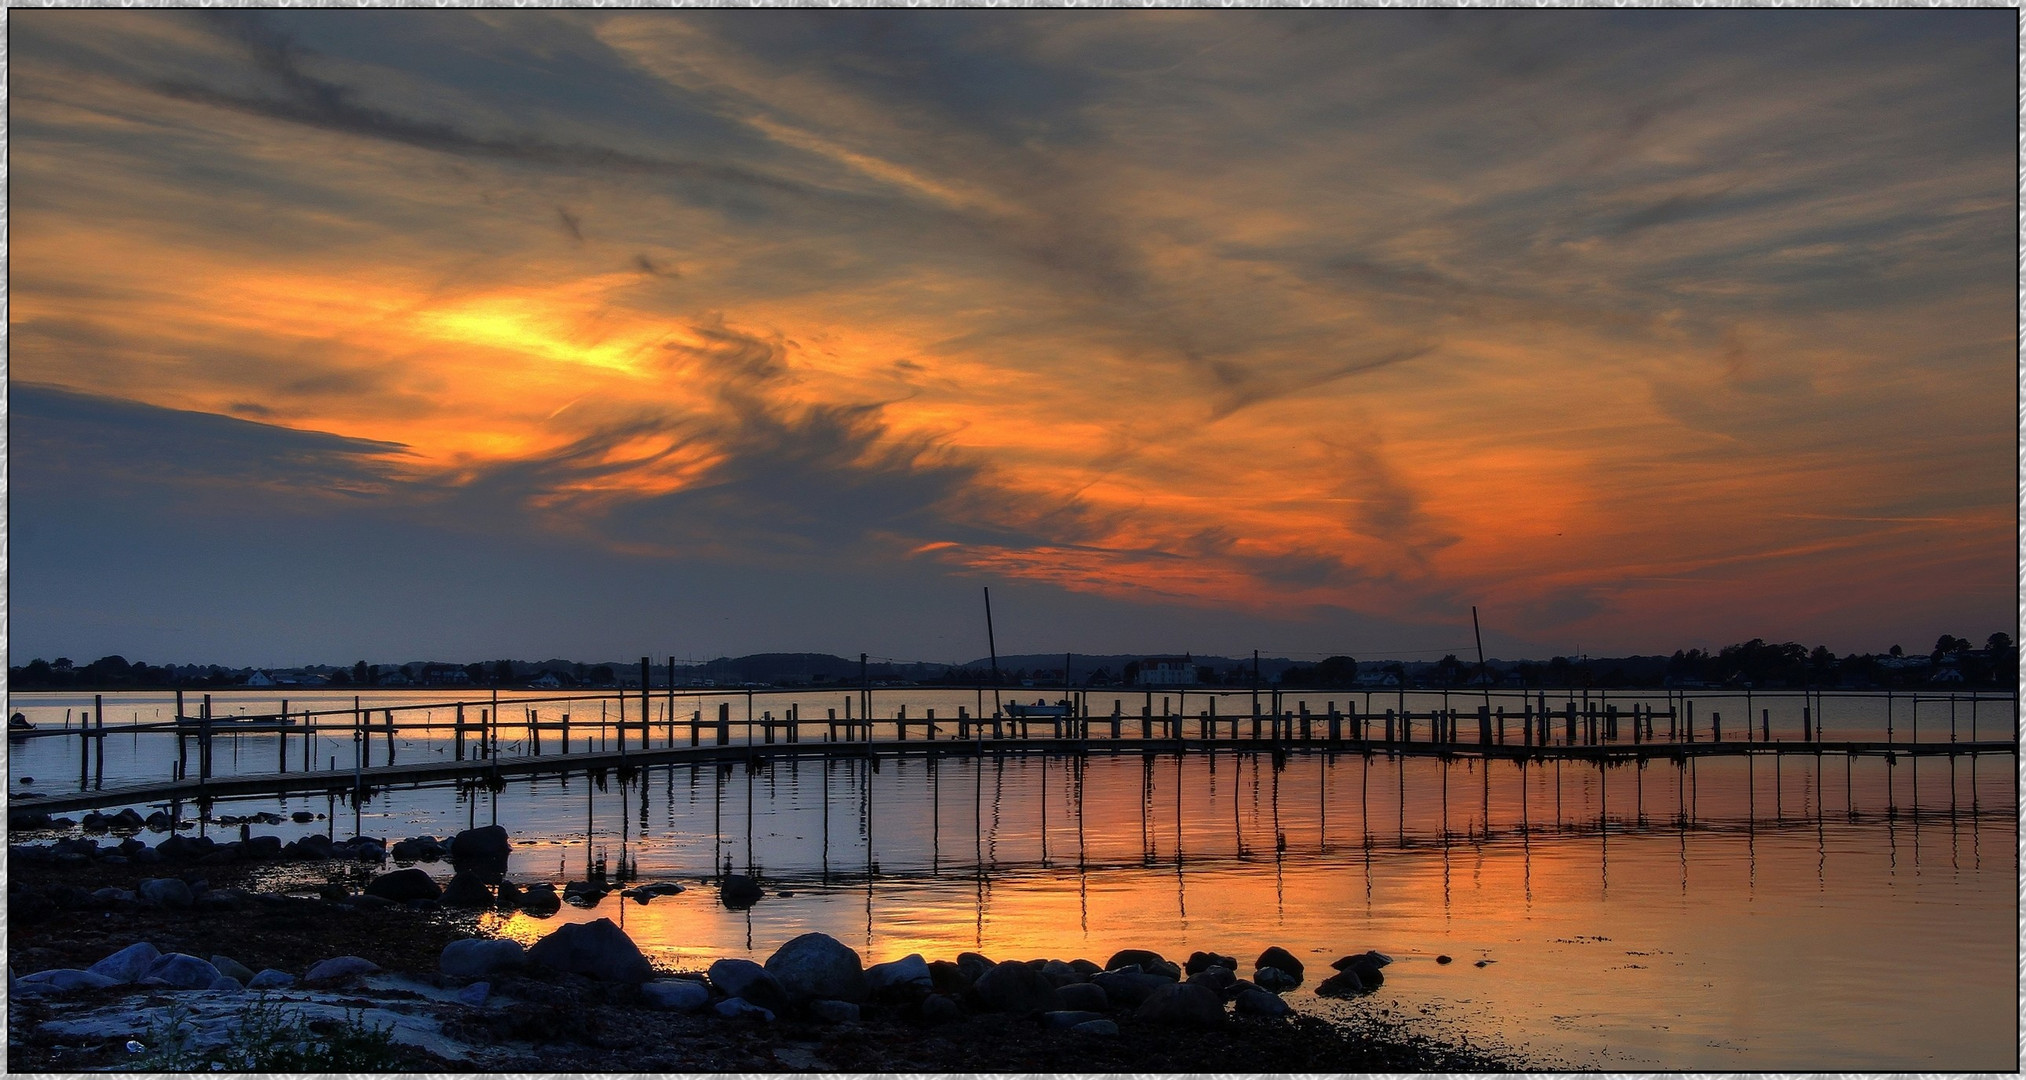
x=281, y=739
x=1808, y=724
x=1390, y=735
x=566, y=733
x=724, y=722
x=204, y=740
x=932, y=725
x=1716, y=727
x=1570, y=717
x=1484, y=723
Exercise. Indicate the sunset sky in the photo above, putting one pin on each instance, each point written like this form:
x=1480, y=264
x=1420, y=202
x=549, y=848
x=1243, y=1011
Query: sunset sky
x=468, y=334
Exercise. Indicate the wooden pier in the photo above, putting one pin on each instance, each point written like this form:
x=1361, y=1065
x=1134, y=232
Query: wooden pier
x=498, y=768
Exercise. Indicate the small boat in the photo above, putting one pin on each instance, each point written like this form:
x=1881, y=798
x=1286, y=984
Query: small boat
x=18, y=725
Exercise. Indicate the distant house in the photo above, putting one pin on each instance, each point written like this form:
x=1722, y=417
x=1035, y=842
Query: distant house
x=1168, y=671
x=259, y=678
x=1378, y=677
x=1947, y=675
x=545, y=681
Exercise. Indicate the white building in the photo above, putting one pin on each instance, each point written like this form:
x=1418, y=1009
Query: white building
x=1167, y=671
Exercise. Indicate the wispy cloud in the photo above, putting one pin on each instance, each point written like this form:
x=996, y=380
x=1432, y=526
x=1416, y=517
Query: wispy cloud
x=1376, y=312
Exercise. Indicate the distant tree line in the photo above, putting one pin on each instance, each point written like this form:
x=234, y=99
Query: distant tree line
x=1754, y=663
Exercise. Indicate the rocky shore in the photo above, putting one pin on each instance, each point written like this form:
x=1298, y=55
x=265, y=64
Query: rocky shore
x=171, y=958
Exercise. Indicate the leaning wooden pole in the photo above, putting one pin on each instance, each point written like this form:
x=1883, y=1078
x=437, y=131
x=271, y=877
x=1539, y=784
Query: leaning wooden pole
x=992, y=647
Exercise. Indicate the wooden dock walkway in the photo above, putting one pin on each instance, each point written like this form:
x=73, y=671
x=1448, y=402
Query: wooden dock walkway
x=413, y=774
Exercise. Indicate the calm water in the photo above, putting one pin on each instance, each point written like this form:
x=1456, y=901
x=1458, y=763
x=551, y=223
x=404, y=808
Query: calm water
x=1817, y=914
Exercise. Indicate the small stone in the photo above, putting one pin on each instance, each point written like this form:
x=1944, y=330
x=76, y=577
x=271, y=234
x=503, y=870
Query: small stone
x=475, y=994
x=1482, y=963
x=270, y=979
x=676, y=995
x=1099, y=1028
x=1445, y=958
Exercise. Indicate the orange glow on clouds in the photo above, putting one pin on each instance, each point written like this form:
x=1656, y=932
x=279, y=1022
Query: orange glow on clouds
x=1165, y=373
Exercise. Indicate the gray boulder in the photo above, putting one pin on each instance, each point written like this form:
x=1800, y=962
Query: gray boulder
x=1014, y=987
x=64, y=981
x=270, y=979
x=1274, y=979
x=226, y=984
x=466, y=891
x=401, y=886
x=818, y=966
x=475, y=994
x=181, y=971
x=1182, y=1005
x=337, y=969
x=971, y=965
x=940, y=1009
x=833, y=1012
x=487, y=843
x=166, y=892
x=1088, y=997
x=907, y=976
x=1099, y=1028
x=474, y=958
x=1342, y=984
x=676, y=995
x=129, y=964
x=740, y=1009
x=1277, y=957
x=738, y=892
x=598, y=949
x=1128, y=989
x=1214, y=977
x=1261, y=1003
x=745, y=979
x=232, y=968
x=1143, y=959
x=1064, y=1019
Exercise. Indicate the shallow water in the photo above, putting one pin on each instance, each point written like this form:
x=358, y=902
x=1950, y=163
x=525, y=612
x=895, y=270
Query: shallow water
x=1815, y=914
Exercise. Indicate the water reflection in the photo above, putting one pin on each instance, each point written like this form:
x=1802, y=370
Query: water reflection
x=1683, y=932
